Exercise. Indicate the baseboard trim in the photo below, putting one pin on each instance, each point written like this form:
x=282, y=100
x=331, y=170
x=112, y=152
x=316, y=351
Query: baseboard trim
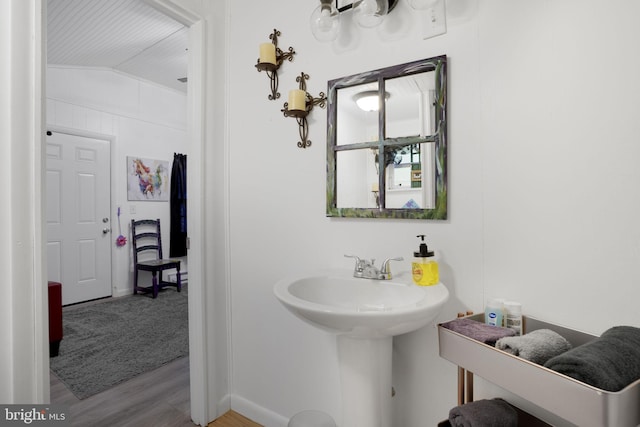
x=223, y=405
x=256, y=412
x=121, y=292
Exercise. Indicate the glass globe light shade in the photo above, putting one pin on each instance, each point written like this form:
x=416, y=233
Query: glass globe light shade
x=370, y=13
x=325, y=22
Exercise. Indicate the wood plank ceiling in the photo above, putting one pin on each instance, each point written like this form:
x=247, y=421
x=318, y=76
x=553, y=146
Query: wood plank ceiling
x=129, y=36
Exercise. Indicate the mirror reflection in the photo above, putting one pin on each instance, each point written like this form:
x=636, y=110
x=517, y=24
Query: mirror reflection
x=410, y=112
x=360, y=122
x=386, y=145
x=407, y=187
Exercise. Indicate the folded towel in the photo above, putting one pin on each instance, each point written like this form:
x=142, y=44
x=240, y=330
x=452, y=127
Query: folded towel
x=536, y=346
x=487, y=334
x=484, y=413
x=610, y=362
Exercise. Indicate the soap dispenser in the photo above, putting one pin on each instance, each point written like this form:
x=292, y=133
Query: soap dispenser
x=424, y=266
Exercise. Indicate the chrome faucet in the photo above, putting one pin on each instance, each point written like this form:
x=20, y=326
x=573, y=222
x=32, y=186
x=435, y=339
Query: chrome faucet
x=367, y=270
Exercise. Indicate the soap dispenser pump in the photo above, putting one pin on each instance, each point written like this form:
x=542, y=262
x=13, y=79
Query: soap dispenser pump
x=424, y=267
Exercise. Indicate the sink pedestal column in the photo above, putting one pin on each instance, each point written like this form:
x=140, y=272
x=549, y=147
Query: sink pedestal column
x=365, y=376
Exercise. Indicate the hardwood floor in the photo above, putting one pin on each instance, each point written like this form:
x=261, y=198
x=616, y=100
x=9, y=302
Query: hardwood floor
x=233, y=419
x=156, y=398
x=159, y=398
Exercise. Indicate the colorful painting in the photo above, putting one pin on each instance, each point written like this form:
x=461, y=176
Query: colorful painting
x=147, y=179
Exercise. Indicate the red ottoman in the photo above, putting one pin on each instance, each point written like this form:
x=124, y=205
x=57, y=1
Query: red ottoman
x=55, y=318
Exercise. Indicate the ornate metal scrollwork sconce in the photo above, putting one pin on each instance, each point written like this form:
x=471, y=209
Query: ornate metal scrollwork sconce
x=300, y=105
x=271, y=57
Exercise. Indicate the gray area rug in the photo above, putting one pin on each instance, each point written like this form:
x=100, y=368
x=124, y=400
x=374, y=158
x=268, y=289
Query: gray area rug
x=110, y=342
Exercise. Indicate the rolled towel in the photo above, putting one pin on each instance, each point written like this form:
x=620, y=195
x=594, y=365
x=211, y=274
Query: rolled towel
x=487, y=334
x=484, y=413
x=537, y=346
x=610, y=362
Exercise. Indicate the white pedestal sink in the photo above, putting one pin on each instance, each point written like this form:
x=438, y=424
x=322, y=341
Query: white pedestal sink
x=365, y=314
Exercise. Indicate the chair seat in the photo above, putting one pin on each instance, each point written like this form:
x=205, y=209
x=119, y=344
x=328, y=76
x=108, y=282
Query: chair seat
x=156, y=264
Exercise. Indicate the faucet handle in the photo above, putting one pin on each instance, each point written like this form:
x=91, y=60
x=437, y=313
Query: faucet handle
x=359, y=262
x=385, y=267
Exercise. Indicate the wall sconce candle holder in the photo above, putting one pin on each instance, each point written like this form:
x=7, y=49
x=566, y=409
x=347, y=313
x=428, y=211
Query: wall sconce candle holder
x=270, y=60
x=300, y=105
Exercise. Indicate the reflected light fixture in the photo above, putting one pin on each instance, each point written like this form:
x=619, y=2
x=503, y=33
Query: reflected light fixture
x=368, y=100
x=270, y=60
x=325, y=19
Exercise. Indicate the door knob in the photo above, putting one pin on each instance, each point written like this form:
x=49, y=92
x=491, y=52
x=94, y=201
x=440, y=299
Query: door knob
x=106, y=230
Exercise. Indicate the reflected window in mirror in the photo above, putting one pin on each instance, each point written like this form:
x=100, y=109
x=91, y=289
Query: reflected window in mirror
x=387, y=142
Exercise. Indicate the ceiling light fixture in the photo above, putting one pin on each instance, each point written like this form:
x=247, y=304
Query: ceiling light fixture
x=325, y=19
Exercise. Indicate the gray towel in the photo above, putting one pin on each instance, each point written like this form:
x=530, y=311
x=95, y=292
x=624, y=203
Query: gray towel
x=610, y=362
x=484, y=413
x=537, y=346
x=478, y=331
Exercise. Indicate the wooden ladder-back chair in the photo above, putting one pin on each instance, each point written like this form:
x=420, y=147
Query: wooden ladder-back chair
x=147, y=240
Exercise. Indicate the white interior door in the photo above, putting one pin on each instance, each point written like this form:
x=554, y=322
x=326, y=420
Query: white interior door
x=78, y=216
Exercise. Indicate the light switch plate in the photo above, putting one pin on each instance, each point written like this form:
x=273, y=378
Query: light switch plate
x=434, y=20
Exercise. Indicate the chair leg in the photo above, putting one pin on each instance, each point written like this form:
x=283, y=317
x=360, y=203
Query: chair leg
x=178, y=282
x=155, y=283
x=135, y=281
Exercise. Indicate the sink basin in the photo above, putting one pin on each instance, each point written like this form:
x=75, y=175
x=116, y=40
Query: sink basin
x=364, y=308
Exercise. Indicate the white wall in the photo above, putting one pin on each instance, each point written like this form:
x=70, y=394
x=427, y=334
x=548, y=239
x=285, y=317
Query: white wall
x=144, y=119
x=23, y=311
x=543, y=199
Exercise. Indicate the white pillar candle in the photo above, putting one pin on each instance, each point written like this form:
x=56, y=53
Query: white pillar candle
x=268, y=53
x=297, y=100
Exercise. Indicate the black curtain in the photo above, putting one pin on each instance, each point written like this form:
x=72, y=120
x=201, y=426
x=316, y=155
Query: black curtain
x=178, y=231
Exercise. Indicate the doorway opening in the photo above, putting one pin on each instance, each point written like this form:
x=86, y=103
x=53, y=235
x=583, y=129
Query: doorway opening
x=199, y=401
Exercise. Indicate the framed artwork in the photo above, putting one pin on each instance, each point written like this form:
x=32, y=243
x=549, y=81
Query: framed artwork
x=147, y=179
